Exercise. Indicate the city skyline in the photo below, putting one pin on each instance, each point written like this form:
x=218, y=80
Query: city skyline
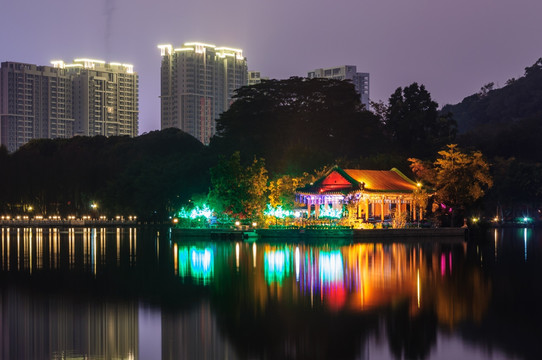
x=451, y=48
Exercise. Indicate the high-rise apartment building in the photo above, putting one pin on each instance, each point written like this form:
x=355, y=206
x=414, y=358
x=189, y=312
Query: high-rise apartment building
x=87, y=97
x=35, y=102
x=197, y=84
x=346, y=72
x=105, y=97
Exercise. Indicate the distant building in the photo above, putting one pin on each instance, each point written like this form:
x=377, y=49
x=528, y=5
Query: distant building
x=88, y=97
x=197, y=84
x=346, y=72
x=254, y=78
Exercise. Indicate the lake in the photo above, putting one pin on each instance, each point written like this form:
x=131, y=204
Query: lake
x=143, y=293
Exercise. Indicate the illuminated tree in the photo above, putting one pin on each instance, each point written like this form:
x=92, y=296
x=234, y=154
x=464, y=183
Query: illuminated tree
x=459, y=179
x=237, y=190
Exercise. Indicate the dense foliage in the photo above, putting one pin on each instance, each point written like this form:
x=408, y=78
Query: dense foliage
x=458, y=178
x=298, y=124
x=145, y=176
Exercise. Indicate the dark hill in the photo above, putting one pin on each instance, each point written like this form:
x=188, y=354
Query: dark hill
x=504, y=122
x=519, y=99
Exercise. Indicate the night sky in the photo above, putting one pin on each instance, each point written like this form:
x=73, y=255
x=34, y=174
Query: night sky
x=452, y=46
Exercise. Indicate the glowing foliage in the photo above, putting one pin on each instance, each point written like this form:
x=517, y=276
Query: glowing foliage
x=203, y=211
x=329, y=212
x=280, y=213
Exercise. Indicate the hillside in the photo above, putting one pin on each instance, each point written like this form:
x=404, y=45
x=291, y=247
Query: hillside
x=519, y=99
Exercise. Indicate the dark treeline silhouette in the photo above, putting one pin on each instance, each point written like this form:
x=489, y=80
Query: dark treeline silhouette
x=144, y=176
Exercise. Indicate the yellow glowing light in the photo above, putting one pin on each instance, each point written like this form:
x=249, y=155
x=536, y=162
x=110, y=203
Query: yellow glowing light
x=199, y=44
x=254, y=224
x=115, y=64
x=419, y=184
x=237, y=223
x=165, y=49
x=89, y=61
x=58, y=64
x=229, y=49
x=418, y=289
x=184, y=49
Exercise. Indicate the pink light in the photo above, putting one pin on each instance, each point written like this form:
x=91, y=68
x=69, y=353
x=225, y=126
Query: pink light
x=442, y=265
x=450, y=261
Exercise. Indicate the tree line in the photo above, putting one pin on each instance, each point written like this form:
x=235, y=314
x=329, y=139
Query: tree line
x=279, y=131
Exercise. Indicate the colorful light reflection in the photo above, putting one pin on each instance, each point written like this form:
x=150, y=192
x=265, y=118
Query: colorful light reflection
x=277, y=265
x=200, y=262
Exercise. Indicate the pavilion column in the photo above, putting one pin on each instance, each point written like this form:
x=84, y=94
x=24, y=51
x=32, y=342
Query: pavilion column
x=382, y=209
x=399, y=205
x=414, y=210
x=309, y=203
x=366, y=209
x=316, y=210
x=359, y=209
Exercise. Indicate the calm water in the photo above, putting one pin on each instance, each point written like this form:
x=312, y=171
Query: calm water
x=141, y=294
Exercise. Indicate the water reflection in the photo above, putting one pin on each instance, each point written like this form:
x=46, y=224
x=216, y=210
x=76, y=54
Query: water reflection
x=69, y=293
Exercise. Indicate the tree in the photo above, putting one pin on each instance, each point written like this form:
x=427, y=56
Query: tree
x=237, y=190
x=414, y=124
x=459, y=179
x=298, y=124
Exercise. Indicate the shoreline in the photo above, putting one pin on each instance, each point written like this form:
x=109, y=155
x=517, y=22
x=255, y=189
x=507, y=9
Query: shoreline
x=355, y=235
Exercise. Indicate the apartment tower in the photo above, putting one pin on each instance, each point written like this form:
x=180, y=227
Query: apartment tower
x=87, y=97
x=197, y=84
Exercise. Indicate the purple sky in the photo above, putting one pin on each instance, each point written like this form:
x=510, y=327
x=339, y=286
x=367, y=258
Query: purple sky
x=452, y=46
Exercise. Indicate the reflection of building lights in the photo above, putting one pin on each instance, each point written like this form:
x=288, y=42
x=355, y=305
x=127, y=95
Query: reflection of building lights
x=254, y=255
x=237, y=255
x=277, y=265
x=297, y=265
x=331, y=267
x=418, y=288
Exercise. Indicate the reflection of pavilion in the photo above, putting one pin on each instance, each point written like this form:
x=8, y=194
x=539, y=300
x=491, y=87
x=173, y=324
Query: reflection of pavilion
x=367, y=193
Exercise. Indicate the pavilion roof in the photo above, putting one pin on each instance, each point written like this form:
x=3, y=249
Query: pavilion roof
x=339, y=181
x=383, y=180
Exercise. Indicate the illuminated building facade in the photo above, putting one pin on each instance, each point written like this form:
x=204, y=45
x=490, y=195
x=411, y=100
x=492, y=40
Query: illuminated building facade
x=88, y=97
x=106, y=97
x=367, y=194
x=346, y=72
x=197, y=84
x=35, y=102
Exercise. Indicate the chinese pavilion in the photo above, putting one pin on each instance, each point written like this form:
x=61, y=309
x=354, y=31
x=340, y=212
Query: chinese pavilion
x=367, y=194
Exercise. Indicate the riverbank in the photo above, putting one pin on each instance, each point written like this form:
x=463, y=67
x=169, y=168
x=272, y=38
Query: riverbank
x=355, y=235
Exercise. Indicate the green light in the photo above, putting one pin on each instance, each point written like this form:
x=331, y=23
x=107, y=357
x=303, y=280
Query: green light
x=329, y=212
x=196, y=212
x=279, y=212
x=199, y=263
x=277, y=265
x=184, y=262
x=202, y=264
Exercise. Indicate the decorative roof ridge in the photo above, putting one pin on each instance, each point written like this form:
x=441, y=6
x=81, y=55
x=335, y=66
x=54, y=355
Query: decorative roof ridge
x=403, y=176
